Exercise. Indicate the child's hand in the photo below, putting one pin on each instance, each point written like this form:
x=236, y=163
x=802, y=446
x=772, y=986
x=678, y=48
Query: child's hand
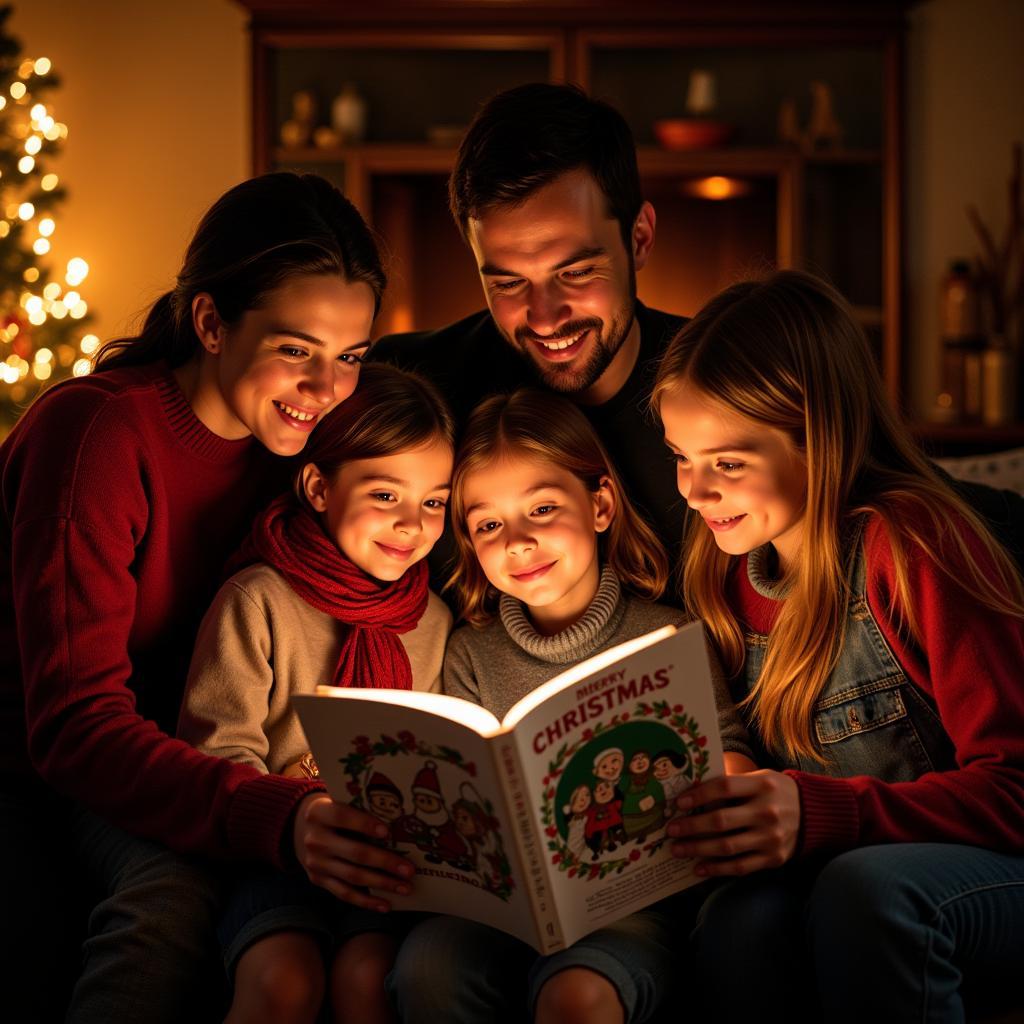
x=739, y=823
x=329, y=844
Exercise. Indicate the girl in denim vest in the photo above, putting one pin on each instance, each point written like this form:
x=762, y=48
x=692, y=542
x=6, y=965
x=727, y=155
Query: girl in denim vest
x=875, y=634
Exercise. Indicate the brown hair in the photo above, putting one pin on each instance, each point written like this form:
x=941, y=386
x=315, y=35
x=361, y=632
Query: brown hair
x=787, y=352
x=390, y=411
x=545, y=427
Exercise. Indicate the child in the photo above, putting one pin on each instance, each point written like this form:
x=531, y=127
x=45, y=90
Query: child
x=339, y=595
x=875, y=632
x=554, y=565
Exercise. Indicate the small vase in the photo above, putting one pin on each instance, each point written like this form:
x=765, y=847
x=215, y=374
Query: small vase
x=348, y=115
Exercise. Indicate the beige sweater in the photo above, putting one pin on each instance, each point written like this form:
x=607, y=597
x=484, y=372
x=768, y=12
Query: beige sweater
x=259, y=644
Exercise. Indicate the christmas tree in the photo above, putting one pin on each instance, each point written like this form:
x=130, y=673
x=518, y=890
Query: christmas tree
x=43, y=319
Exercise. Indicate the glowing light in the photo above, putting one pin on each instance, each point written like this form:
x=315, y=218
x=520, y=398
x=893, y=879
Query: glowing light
x=52, y=133
x=26, y=211
x=31, y=275
x=25, y=68
x=37, y=319
x=89, y=344
x=38, y=112
x=77, y=271
x=12, y=330
x=62, y=129
x=26, y=163
x=44, y=355
x=18, y=90
x=42, y=66
x=58, y=310
x=51, y=291
x=71, y=298
x=9, y=374
x=41, y=246
x=3, y=102
x=5, y=229
x=716, y=187
x=79, y=310
x=46, y=226
x=46, y=126
x=33, y=304
x=42, y=371
x=33, y=144
x=49, y=182
x=81, y=367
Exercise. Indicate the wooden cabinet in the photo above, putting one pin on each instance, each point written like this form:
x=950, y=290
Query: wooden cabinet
x=423, y=68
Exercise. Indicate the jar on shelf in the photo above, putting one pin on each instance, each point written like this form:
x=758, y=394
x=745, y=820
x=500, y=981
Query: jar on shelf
x=348, y=115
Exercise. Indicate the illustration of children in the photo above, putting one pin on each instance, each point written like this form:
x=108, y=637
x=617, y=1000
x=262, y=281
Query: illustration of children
x=644, y=800
x=670, y=770
x=576, y=813
x=608, y=765
x=604, y=819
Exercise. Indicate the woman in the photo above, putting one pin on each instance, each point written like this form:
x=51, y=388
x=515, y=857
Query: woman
x=123, y=493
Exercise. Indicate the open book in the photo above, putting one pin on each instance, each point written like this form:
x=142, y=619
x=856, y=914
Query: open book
x=551, y=823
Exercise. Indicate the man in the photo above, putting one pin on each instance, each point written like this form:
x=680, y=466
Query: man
x=546, y=192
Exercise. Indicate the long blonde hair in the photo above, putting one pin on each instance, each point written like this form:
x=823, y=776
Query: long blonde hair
x=787, y=353
x=546, y=427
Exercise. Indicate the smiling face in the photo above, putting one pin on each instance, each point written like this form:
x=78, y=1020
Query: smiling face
x=281, y=367
x=665, y=769
x=580, y=799
x=747, y=480
x=561, y=285
x=386, y=513
x=609, y=766
x=534, y=526
x=639, y=763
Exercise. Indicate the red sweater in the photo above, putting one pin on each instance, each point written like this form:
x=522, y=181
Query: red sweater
x=119, y=509
x=971, y=664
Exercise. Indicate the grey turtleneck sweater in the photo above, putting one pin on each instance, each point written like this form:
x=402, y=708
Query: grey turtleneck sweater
x=498, y=664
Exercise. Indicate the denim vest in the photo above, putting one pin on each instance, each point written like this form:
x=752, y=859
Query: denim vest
x=870, y=719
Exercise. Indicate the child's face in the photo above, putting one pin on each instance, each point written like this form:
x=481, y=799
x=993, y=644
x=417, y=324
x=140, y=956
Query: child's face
x=746, y=479
x=273, y=380
x=534, y=529
x=665, y=769
x=580, y=799
x=610, y=766
x=639, y=763
x=385, y=514
x=385, y=805
x=603, y=792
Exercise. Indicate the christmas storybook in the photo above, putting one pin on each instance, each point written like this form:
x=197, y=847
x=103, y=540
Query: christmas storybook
x=551, y=823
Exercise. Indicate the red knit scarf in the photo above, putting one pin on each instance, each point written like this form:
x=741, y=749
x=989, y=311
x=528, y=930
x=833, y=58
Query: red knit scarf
x=288, y=537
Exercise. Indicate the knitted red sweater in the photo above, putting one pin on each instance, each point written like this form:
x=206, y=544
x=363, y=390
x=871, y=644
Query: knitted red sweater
x=119, y=509
x=970, y=663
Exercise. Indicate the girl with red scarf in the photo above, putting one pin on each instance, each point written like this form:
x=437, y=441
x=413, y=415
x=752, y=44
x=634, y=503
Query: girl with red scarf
x=337, y=593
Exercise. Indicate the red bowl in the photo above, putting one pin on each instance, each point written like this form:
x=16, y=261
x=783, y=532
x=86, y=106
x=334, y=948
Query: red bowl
x=691, y=133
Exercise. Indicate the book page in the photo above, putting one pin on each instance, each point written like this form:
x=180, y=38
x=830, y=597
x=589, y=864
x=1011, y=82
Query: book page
x=434, y=784
x=604, y=759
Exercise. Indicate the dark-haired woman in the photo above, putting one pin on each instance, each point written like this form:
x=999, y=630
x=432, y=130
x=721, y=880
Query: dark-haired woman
x=122, y=494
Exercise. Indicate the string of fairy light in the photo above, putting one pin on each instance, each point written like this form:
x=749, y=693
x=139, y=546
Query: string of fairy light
x=38, y=133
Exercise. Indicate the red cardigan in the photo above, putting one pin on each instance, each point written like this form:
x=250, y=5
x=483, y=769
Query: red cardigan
x=119, y=508
x=971, y=664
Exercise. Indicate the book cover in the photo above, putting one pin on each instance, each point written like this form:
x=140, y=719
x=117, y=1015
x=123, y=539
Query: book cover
x=551, y=823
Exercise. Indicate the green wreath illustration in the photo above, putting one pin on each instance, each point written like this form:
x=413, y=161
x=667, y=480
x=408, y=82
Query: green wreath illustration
x=673, y=716
x=365, y=751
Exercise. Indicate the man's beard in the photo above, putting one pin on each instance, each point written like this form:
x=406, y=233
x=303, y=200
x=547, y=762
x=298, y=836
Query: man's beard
x=572, y=377
x=435, y=819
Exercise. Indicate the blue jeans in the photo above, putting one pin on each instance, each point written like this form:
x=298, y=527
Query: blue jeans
x=896, y=932
x=460, y=972
x=149, y=951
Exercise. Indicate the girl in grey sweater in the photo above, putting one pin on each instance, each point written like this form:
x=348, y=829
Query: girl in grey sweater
x=554, y=565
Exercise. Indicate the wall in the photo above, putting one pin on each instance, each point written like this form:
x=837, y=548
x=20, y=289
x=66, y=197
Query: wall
x=965, y=107
x=156, y=99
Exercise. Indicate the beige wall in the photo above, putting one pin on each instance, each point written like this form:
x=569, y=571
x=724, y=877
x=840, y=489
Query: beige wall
x=965, y=107
x=155, y=96
x=158, y=113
